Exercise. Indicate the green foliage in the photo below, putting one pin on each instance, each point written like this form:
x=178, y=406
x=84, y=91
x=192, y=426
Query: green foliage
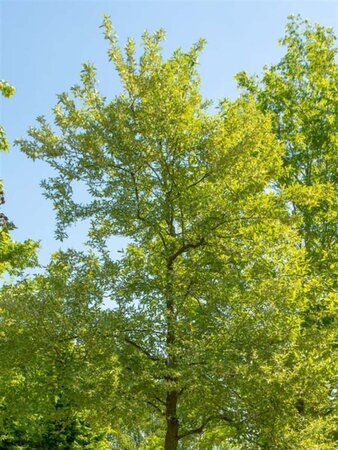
x=7, y=91
x=15, y=256
x=55, y=325
x=301, y=94
x=54, y=366
x=69, y=433
x=219, y=330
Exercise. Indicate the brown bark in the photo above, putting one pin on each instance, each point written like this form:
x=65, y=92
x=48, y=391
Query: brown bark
x=171, y=437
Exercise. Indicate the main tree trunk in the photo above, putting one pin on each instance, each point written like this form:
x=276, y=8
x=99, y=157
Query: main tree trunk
x=171, y=437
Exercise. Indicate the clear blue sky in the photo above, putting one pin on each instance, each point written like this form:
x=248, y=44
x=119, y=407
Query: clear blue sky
x=43, y=44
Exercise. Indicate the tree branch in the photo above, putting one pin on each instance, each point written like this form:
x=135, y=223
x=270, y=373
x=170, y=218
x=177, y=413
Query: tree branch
x=185, y=248
x=156, y=407
x=206, y=175
x=201, y=428
x=137, y=196
x=145, y=352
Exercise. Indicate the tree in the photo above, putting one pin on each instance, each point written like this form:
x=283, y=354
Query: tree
x=209, y=297
x=301, y=93
x=55, y=373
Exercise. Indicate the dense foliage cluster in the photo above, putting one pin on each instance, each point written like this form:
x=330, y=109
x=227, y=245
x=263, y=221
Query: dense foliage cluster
x=216, y=327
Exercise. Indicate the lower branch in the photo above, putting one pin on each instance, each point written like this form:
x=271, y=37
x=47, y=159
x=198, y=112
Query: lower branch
x=201, y=428
x=145, y=352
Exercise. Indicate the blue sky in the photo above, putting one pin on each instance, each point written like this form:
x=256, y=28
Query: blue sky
x=43, y=44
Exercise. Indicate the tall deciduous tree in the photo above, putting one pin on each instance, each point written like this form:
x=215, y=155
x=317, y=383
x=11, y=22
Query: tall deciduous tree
x=209, y=297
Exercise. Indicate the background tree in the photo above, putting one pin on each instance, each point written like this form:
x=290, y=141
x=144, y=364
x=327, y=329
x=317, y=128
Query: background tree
x=301, y=93
x=209, y=298
x=55, y=372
